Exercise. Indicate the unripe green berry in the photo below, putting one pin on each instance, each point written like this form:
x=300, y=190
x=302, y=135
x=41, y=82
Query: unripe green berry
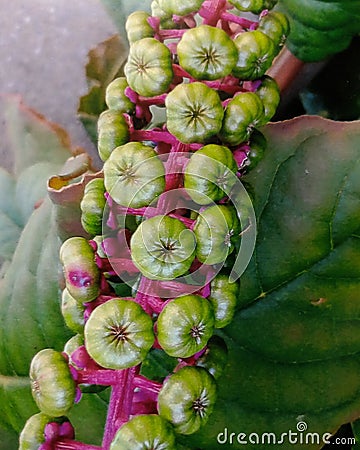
x=162, y=248
x=223, y=298
x=243, y=113
x=258, y=146
x=137, y=27
x=180, y=8
x=52, y=385
x=166, y=21
x=73, y=312
x=194, y=112
x=92, y=206
x=215, y=357
x=145, y=432
x=112, y=132
x=256, y=53
x=210, y=174
x=269, y=93
x=207, y=53
x=187, y=399
x=149, y=67
x=276, y=25
x=32, y=435
x=118, y=334
x=254, y=6
x=185, y=325
x=134, y=175
x=115, y=97
x=216, y=230
x=82, y=275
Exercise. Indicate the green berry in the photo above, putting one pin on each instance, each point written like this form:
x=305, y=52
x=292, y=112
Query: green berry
x=243, y=113
x=207, y=53
x=215, y=357
x=112, y=132
x=223, y=299
x=82, y=276
x=217, y=228
x=180, y=8
x=73, y=344
x=118, y=334
x=162, y=248
x=145, y=432
x=92, y=206
x=166, y=21
x=134, y=175
x=276, y=25
x=52, y=385
x=73, y=312
x=32, y=435
x=256, y=53
x=210, y=174
x=137, y=26
x=149, y=67
x=257, y=149
x=187, y=399
x=185, y=325
x=269, y=94
x=194, y=112
x=115, y=97
x=254, y=6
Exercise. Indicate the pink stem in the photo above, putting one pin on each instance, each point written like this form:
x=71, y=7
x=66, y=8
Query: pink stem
x=171, y=34
x=119, y=409
x=68, y=444
x=155, y=303
x=153, y=135
x=149, y=385
x=103, y=377
x=244, y=23
x=185, y=220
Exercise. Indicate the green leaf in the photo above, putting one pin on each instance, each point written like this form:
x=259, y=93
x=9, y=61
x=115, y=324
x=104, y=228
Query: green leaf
x=10, y=227
x=38, y=149
x=294, y=346
x=356, y=431
x=8, y=440
x=320, y=28
x=105, y=62
x=30, y=316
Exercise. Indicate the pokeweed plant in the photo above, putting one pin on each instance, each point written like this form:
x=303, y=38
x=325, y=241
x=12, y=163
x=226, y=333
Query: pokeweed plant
x=170, y=229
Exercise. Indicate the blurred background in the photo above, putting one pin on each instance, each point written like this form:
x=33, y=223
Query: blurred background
x=43, y=51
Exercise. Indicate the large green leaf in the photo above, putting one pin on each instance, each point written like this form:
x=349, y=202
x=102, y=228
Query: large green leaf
x=10, y=227
x=320, y=28
x=37, y=149
x=30, y=316
x=295, y=342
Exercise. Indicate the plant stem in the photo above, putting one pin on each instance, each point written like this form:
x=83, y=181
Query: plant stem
x=149, y=385
x=285, y=69
x=68, y=444
x=120, y=405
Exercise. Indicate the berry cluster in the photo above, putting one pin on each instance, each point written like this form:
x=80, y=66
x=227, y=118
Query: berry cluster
x=166, y=219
